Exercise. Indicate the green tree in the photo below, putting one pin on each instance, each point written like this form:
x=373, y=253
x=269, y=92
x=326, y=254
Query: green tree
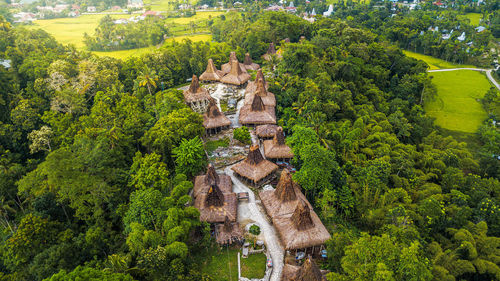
x=242, y=134
x=190, y=157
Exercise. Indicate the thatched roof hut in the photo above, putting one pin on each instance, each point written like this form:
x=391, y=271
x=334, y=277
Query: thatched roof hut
x=226, y=68
x=235, y=76
x=276, y=148
x=215, y=206
x=212, y=73
x=202, y=183
x=257, y=113
x=268, y=98
x=283, y=200
x=228, y=232
x=249, y=64
x=213, y=119
x=302, y=229
x=266, y=131
x=197, y=97
x=271, y=50
x=255, y=168
x=252, y=85
x=309, y=271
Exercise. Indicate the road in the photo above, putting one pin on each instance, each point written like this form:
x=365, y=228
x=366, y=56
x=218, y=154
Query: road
x=252, y=211
x=488, y=73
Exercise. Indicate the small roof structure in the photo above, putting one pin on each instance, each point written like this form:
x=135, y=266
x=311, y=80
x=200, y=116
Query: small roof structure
x=302, y=229
x=228, y=232
x=268, y=98
x=213, y=118
x=249, y=64
x=276, y=148
x=266, y=131
x=211, y=73
x=271, y=50
x=202, y=183
x=226, y=68
x=255, y=167
x=252, y=85
x=236, y=76
x=257, y=113
x=309, y=271
x=195, y=92
x=215, y=206
x=283, y=200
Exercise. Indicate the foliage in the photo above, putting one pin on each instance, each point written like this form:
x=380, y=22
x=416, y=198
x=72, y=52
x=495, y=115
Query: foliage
x=242, y=134
x=254, y=229
x=89, y=273
x=190, y=157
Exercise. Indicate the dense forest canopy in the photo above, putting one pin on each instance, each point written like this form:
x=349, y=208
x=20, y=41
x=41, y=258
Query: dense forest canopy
x=94, y=182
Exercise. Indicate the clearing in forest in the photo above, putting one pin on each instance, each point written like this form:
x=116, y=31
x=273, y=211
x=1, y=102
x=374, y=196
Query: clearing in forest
x=435, y=63
x=457, y=106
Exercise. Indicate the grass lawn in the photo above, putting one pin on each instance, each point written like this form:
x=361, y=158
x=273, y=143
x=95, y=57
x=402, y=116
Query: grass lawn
x=435, y=63
x=222, y=265
x=213, y=145
x=254, y=266
x=457, y=106
x=474, y=18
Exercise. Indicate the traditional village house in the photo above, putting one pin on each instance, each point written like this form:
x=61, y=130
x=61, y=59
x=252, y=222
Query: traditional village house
x=228, y=232
x=265, y=132
x=202, y=183
x=308, y=271
x=197, y=97
x=283, y=200
x=249, y=64
x=255, y=169
x=236, y=76
x=302, y=230
x=270, y=51
x=257, y=113
x=212, y=74
x=252, y=85
x=213, y=120
x=215, y=206
x=226, y=68
x=268, y=98
x=276, y=149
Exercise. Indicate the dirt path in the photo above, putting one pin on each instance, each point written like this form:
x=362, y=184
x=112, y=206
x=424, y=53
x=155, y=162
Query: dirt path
x=252, y=211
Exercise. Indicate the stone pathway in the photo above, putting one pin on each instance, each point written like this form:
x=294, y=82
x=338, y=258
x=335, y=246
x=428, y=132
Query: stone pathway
x=252, y=211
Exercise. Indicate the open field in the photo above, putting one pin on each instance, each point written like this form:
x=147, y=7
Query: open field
x=457, y=106
x=474, y=18
x=223, y=265
x=435, y=63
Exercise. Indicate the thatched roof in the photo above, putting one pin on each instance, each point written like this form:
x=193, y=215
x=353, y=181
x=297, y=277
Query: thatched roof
x=268, y=98
x=271, y=50
x=252, y=85
x=211, y=74
x=283, y=200
x=309, y=271
x=276, y=148
x=215, y=206
x=228, y=232
x=195, y=92
x=202, y=183
x=266, y=131
x=254, y=167
x=213, y=118
x=226, y=68
x=257, y=113
x=301, y=229
x=236, y=76
x=287, y=40
x=249, y=64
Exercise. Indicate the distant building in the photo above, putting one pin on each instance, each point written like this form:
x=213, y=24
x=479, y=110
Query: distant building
x=6, y=63
x=329, y=12
x=151, y=13
x=461, y=37
x=115, y=8
x=73, y=14
x=120, y=21
x=480, y=29
x=23, y=17
x=135, y=4
x=274, y=8
x=91, y=9
x=291, y=8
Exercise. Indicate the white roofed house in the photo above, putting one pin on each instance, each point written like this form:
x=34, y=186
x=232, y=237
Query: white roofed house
x=135, y=4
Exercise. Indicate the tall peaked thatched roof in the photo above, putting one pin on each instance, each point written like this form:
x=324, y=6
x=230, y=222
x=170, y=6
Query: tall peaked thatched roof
x=276, y=148
x=271, y=50
x=202, y=183
x=283, y=200
x=266, y=131
x=252, y=85
x=254, y=167
x=301, y=229
x=309, y=271
x=213, y=118
x=226, y=68
x=236, y=76
x=215, y=206
x=268, y=98
x=249, y=64
x=257, y=113
x=211, y=73
x=228, y=232
x=215, y=197
x=195, y=92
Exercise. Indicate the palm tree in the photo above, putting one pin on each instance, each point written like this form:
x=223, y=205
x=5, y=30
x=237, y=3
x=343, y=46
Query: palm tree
x=148, y=78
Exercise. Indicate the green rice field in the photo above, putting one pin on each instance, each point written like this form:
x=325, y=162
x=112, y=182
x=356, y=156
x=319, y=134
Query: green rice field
x=474, y=18
x=457, y=106
x=435, y=63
